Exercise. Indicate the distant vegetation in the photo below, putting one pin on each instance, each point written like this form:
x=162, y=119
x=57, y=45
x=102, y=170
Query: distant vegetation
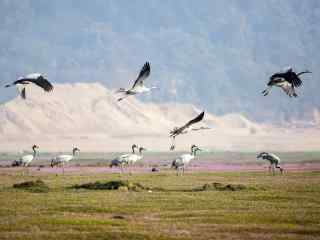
x=220, y=53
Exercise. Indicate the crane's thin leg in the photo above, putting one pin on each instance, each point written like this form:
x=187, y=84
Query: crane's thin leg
x=280, y=168
x=124, y=97
x=62, y=168
x=130, y=168
x=273, y=170
x=173, y=145
x=270, y=166
x=23, y=170
x=121, y=168
x=266, y=91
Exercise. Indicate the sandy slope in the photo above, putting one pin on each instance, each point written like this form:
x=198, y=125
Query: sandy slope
x=88, y=115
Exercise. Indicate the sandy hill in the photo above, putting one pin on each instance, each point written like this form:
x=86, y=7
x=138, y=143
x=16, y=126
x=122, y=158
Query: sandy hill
x=88, y=115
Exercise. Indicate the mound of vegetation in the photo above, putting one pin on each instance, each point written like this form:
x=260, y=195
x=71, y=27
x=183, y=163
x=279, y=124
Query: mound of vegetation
x=112, y=185
x=223, y=187
x=37, y=186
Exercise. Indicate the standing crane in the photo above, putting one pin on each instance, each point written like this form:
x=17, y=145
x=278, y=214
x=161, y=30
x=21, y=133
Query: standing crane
x=122, y=160
x=25, y=160
x=182, y=161
x=63, y=159
x=273, y=159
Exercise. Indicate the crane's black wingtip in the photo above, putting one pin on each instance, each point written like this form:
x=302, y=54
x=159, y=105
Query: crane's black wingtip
x=147, y=65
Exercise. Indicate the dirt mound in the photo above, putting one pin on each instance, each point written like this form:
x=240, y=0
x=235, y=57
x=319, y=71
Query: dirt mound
x=112, y=185
x=33, y=186
x=223, y=187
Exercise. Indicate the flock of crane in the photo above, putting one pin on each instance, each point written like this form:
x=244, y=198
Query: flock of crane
x=287, y=80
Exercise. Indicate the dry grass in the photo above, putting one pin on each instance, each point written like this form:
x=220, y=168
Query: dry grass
x=279, y=207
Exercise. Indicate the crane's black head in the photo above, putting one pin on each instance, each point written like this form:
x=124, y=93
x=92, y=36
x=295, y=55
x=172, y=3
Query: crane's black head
x=133, y=147
x=75, y=149
x=262, y=154
x=194, y=149
x=35, y=146
x=142, y=149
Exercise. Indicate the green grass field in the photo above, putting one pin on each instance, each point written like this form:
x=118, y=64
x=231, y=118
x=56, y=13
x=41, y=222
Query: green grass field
x=273, y=207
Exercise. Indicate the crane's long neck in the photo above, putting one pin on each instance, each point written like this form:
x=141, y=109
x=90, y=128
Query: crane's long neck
x=73, y=152
x=192, y=152
x=34, y=152
x=304, y=72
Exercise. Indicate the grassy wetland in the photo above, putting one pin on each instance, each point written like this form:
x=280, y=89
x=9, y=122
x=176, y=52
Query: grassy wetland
x=165, y=206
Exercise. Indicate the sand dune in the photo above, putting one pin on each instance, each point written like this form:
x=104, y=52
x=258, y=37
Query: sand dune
x=88, y=115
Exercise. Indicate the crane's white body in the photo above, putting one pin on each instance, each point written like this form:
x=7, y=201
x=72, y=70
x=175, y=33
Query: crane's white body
x=140, y=89
x=133, y=158
x=26, y=159
x=126, y=159
x=273, y=159
x=183, y=160
x=63, y=159
x=129, y=159
x=121, y=160
x=31, y=76
x=136, y=90
x=138, y=86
